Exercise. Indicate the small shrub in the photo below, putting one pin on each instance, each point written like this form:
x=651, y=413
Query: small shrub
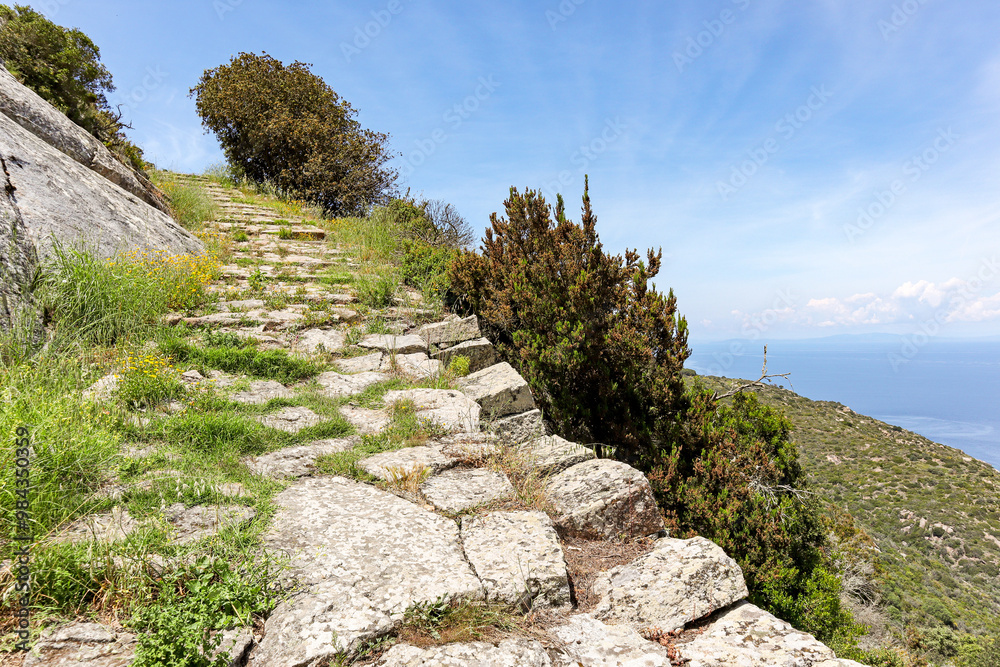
x=459, y=366
x=240, y=236
x=426, y=267
x=147, y=380
x=285, y=233
x=376, y=291
x=190, y=205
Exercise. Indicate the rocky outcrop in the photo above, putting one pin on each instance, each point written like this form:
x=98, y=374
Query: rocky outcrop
x=26, y=108
x=18, y=259
x=65, y=185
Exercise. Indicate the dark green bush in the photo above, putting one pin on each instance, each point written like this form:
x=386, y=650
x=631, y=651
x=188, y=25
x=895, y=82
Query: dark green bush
x=284, y=126
x=602, y=351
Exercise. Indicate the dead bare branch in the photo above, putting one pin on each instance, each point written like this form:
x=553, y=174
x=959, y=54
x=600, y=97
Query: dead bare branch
x=763, y=381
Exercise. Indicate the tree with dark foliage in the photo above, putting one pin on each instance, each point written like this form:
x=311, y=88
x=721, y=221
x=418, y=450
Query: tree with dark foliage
x=283, y=125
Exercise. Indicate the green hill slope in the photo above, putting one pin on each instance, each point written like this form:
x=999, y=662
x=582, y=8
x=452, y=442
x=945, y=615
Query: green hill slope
x=933, y=511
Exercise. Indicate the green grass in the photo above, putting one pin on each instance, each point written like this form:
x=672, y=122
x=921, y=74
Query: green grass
x=268, y=364
x=192, y=206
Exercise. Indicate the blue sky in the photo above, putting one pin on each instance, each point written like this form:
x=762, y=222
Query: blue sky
x=809, y=168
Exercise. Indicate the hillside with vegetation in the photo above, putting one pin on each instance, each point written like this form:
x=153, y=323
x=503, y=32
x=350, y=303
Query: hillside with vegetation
x=931, y=511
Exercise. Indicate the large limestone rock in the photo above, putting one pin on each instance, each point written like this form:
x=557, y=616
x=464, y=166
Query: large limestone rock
x=262, y=391
x=291, y=420
x=588, y=642
x=417, y=365
x=499, y=390
x=369, y=362
x=508, y=653
x=480, y=353
x=58, y=198
x=462, y=489
x=604, y=499
x=393, y=344
x=551, y=454
x=677, y=582
x=518, y=558
x=313, y=341
x=26, y=108
x=363, y=556
x=446, y=408
x=750, y=637
x=17, y=258
x=450, y=331
x=516, y=429
x=401, y=462
x=296, y=461
x=336, y=384
x=82, y=644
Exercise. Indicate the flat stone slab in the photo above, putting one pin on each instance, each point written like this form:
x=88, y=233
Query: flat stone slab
x=369, y=362
x=417, y=365
x=518, y=428
x=394, y=344
x=457, y=490
x=262, y=391
x=749, y=636
x=586, y=641
x=508, y=653
x=365, y=420
x=81, y=645
x=499, y=390
x=313, y=341
x=296, y=461
x=466, y=446
x=604, y=499
x=387, y=465
x=447, y=408
x=677, y=582
x=364, y=556
x=193, y=523
x=336, y=385
x=551, y=454
x=109, y=527
x=518, y=558
x=291, y=420
x=450, y=331
x=480, y=353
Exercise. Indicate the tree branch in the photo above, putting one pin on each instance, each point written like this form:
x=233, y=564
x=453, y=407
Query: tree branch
x=763, y=381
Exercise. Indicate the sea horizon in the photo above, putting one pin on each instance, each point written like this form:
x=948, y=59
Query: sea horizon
x=942, y=389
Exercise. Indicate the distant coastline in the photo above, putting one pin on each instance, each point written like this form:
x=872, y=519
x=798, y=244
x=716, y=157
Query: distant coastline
x=947, y=391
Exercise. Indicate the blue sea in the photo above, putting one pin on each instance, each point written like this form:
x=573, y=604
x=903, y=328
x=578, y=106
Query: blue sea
x=947, y=391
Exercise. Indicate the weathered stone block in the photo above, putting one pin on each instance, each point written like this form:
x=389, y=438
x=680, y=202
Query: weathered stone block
x=518, y=558
x=447, y=408
x=677, y=582
x=499, y=390
x=604, y=499
x=394, y=344
x=451, y=331
x=551, y=454
x=457, y=490
x=747, y=635
x=480, y=353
